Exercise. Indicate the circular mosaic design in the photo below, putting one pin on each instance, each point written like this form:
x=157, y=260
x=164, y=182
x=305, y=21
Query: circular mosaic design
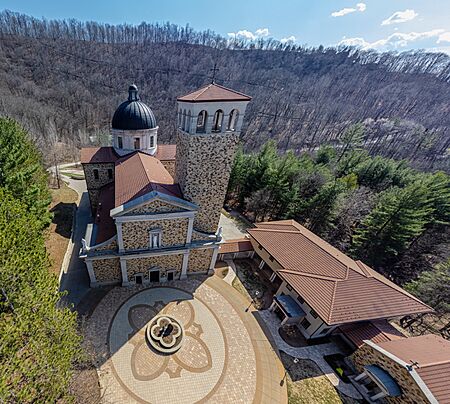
x=193, y=371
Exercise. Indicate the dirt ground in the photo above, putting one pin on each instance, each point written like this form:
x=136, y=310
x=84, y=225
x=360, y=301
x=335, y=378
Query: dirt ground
x=58, y=234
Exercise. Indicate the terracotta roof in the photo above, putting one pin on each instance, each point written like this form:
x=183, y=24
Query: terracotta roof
x=166, y=152
x=432, y=353
x=90, y=155
x=338, y=288
x=214, y=92
x=235, y=246
x=376, y=331
x=105, y=223
x=138, y=174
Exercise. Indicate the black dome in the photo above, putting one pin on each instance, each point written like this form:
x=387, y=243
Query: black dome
x=133, y=114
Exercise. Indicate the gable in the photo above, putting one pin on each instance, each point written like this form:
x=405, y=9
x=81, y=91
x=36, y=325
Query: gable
x=154, y=206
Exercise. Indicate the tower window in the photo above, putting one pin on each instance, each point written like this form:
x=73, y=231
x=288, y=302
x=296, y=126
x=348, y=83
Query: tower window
x=217, y=121
x=120, y=142
x=183, y=126
x=188, y=122
x=232, y=121
x=137, y=143
x=201, y=122
x=152, y=141
x=96, y=174
x=110, y=173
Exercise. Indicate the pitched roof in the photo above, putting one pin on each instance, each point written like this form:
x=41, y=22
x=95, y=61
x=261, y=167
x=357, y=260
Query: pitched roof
x=166, y=152
x=137, y=174
x=376, y=331
x=338, y=288
x=214, y=92
x=235, y=246
x=90, y=155
x=432, y=355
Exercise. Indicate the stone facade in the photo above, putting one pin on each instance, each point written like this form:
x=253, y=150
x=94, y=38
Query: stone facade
x=163, y=262
x=170, y=166
x=136, y=234
x=200, y=260
x=411, y=393
x=203, y=167
x=107, y=270
x=105, y=176
x=155, y=206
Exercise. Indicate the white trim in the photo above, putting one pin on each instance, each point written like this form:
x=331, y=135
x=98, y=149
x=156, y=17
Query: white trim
x=120, y=237
x=92, y=278
x=123, y=269
x=154, y=216
x=190, y=229
x=213, y=261
x=184, y=266
x=94, y=247
x=422, y=385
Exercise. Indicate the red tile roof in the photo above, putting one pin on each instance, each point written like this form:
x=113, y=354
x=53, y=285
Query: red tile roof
x=90, y=155
x=166, y=152
x=235, y=246
x=432, y=353
x=214, y=92
x=105, y=223
x=376, y=331
x=138, y=174
x=338, y=288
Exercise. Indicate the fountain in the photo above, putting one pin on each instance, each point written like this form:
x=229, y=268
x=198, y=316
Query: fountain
x=165, y=334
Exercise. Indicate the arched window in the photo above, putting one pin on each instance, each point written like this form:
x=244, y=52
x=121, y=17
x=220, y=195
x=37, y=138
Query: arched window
x=217, y=121
x=188, y=122
x=180, y=118
x=201, y=121
x=232, y=121
x=183, y=126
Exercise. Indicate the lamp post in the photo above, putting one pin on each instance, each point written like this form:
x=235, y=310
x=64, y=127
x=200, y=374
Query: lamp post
x=288, y=369
x=257, y=293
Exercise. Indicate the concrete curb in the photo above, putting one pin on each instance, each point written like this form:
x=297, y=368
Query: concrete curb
x=229, y=278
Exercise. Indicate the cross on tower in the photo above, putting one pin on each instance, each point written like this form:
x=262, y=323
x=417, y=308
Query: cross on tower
x=214, y=70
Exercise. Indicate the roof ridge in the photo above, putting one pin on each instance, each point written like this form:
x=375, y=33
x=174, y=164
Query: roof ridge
x=330, y=313
x=274, y=230
x=202, y=90
x=322, y=277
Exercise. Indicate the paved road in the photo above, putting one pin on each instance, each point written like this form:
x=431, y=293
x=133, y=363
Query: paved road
x=74, y=278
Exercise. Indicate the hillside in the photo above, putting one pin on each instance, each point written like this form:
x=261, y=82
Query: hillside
x=63, y=79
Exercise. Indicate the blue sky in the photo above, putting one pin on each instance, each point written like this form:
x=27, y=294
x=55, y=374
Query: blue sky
x=379, y=24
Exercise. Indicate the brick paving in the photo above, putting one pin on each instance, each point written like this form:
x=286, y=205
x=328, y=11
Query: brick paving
x=224, y=358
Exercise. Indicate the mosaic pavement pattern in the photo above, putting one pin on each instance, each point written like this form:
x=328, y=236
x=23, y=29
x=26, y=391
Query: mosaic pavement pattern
x=216, y=361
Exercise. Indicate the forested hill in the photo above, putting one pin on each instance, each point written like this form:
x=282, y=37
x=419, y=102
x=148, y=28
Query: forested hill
x=63, y=80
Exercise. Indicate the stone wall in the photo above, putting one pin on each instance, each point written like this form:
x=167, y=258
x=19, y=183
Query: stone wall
x=135, y=235
x=411, y=393
x=163, y=262
x=203, y=167
x=107, y=270
x=199, y=260
x=155, y=206
x=170, y=166
x=103, y=177
x=93, y=198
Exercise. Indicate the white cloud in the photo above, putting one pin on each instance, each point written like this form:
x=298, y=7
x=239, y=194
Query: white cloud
x=290, y=39
x=359, y=7
x=397, y=40
x=248, y=35
x=400, y=16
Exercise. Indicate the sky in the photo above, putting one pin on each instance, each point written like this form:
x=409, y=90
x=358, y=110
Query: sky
x=373, y=24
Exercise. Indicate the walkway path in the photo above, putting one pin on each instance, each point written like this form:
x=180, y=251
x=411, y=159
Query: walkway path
x=229, y=278
x=312, y=352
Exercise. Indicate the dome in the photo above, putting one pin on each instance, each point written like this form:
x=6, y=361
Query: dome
x=133, y=114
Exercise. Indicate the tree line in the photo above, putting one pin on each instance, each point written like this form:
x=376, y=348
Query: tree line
x=63, y=80
x=39, y=341
x=379, y=210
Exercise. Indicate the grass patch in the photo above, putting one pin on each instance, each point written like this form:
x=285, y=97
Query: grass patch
x=73, y=176
x=307, y=384
x=237, y=284
x=58, y=234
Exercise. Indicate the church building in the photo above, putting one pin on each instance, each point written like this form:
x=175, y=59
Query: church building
x=156, y=207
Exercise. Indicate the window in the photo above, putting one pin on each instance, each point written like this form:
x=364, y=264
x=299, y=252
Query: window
x=96, y=174
x=201, y=122
x=183, y=126
x=110, y=173
x=155, y=239
x=300, y=299
x=217, y=121
x=180, y=118
x=305, y=323
x=119, y=142
x=313, y=313
x=152, y=141
x=137, y=143
x=288, y=287
x=232, y=121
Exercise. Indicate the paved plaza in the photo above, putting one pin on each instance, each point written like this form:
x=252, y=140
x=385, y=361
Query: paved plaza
x=224, y=357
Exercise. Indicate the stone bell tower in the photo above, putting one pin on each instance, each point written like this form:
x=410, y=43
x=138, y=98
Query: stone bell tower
x=209, y=124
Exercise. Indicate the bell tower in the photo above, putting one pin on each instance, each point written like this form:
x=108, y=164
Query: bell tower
x=209, y=124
